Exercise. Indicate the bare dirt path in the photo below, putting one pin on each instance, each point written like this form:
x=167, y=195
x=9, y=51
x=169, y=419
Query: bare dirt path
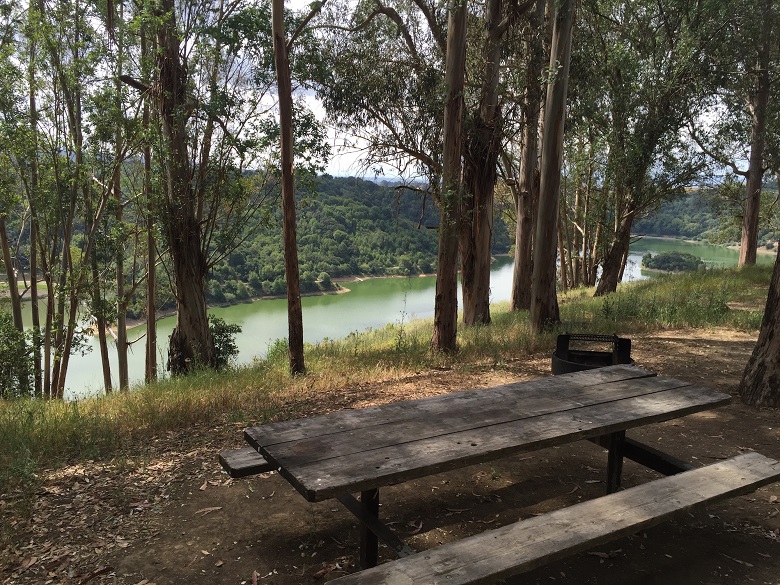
x=170, y=516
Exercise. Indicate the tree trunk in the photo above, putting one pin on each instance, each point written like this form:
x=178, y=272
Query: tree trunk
x=101, y=323
x=121, y=297
x=98, y=302
x=562, y=255
x=284, y=84
x=593, y=265
x=760, y=385
x=758, y=107
x=611, y=267
x=151, y=265
x=528, y=195
x=480, y=173
x=32, y=197
x=150, y=370
x=13, y=288
x=445, y=320
x=191, y=342
x=544, y=300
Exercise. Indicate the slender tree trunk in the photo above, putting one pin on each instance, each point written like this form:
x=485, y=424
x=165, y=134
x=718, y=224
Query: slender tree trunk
x=284, y=84
x=562, y=255
x=34, y=307
x=760, y=385
x=528, y=192
x=755, y=173
x=150, y=370
x=151, y=264
x=624, y=260
x=121, y=296
x=593, y=266
x=101, y=324
x=445, y=320
x=577, y=244
x=13, y=288
x=484, y=145
x=191, y=343
x=544, y=300
x=611, y=267
x=99, y=312
x=34, y=225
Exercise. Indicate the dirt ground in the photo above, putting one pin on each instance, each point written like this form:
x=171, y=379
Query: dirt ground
x=173, y=517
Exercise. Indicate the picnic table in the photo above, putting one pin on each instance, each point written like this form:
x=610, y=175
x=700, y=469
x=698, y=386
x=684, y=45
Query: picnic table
x=364, y=450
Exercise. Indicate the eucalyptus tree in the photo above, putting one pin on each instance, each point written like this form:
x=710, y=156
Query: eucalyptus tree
x=209, y=98
x=10, y=115
x=738, y=125
x=284, y=90
x=760, y=383
x=522, y=173
x=383, y=84
x=65, y=208
x=654, y=65
x=446, y=302
x=488, y=107
x=544, y=299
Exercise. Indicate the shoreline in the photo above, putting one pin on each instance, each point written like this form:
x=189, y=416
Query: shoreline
x=760, y=250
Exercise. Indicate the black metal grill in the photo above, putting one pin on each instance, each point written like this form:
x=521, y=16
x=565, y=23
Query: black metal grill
x=565, y=359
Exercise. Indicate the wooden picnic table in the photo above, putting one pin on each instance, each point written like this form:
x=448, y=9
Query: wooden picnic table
x=334, y=455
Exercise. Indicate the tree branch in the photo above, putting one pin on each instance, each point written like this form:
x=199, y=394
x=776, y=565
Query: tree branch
x=433, y=25
x=713, y=155
x=316, y=8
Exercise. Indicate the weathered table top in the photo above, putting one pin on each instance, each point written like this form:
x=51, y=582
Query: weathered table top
x=362, y=449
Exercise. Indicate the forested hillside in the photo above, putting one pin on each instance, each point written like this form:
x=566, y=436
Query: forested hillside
x=347, y=227
x=709, y=216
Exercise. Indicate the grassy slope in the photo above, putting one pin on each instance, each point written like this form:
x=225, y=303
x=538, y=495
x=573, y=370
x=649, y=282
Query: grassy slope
x=35, y=434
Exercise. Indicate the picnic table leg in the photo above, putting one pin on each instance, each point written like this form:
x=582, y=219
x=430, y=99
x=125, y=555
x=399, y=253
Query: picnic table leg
x=616, y=443
x=369, y=543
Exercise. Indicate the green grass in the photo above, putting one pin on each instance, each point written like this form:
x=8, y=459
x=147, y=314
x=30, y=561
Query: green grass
x=43, y=434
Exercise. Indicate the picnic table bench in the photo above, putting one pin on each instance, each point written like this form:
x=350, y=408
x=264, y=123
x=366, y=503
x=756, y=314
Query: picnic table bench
x=335, y=455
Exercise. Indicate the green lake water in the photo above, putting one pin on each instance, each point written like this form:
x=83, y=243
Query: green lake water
x=371, y=303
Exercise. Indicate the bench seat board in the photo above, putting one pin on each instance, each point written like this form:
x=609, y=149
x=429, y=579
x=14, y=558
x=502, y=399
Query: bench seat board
x=525, y=545
x=243, y=462
x=374, y=457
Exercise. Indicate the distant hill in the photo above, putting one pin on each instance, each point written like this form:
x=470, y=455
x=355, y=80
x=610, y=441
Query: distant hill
x=690, y=217
x=702, y=216
x=346, y=227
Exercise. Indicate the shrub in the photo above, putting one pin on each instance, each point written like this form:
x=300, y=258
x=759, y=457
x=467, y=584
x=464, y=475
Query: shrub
x=16, y=362
x=242, y=291
x=325, y=281
x=224, y=335
x=673, y=262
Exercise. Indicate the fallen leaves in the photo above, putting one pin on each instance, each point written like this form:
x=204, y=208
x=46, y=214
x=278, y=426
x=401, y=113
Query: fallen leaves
x=325, y=570
x=28, y=562
x=606, y=555
x=203, y=511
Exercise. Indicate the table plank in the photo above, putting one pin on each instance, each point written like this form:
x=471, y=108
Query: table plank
x=450, y=415
x=284, y=431
x=396, y=463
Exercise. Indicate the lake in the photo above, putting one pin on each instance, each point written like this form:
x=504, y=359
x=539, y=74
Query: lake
x=371, y=303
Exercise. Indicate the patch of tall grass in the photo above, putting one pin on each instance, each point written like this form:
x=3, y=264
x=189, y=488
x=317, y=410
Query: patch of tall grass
x=679, y=300
x=36, y=434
